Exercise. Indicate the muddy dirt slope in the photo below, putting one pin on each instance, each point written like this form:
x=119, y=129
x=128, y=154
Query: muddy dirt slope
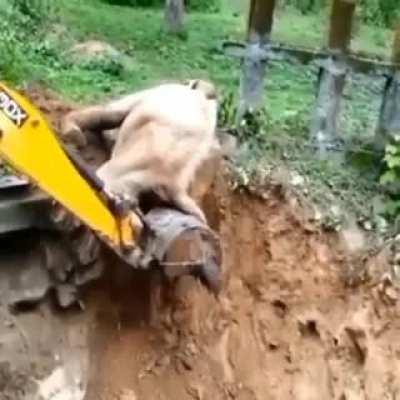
x=286, y=325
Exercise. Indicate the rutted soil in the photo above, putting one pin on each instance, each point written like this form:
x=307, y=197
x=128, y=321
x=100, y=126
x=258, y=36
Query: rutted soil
x=286, y=325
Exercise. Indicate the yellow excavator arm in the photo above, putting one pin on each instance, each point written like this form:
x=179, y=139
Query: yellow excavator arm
x=30, y=146
x=179, y=243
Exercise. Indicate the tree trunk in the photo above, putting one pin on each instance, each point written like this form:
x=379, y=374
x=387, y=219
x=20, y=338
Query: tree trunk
x=174, y=15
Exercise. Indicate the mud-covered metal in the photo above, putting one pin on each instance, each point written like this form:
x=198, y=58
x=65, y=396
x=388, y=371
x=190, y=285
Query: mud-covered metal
x=200, y=256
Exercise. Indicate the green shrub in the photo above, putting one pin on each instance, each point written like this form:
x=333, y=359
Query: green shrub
x=37, y=11
x=22, y=24
x=12, y=62
x=374, y=12
x=379, y=12
x=391, y=178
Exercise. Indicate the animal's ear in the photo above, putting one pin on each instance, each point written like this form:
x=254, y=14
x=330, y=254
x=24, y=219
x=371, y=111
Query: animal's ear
x=194, y=84
x=206, y=87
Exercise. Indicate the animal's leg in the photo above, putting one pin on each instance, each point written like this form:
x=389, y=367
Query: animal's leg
x=123, y=189
x=99, y=117
x=122, y=201
x=124, y=205
x=95, y=118
x=110, y=138
x=186, y=204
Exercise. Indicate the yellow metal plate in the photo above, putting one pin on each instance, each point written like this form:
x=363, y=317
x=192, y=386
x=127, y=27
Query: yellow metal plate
x=29, y=145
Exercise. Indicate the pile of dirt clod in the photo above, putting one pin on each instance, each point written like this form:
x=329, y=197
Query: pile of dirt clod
x=286, y=325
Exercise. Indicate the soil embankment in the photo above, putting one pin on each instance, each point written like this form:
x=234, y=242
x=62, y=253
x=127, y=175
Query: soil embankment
x=286, y=325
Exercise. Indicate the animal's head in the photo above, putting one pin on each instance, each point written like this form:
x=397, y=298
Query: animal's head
x=206, y=87
x=209, y=91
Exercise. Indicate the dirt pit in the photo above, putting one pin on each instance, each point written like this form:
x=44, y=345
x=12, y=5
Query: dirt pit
x=286, y=325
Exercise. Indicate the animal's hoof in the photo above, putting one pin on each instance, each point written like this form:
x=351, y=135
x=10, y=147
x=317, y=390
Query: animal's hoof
x=135, y=257
x=211, y=277
x=136, y=220
x=120, y=204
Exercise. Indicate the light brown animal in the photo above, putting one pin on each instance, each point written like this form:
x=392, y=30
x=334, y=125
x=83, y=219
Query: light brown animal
x=164, y=135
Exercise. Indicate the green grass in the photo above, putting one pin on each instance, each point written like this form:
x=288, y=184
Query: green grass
x=158, y=56
x=155, y=54
x=291, y=27
x=373, y=41
x=311, y=31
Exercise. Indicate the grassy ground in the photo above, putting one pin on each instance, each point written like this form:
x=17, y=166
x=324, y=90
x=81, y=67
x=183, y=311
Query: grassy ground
x=311, y=31
x=154, y=56
x=157, y=56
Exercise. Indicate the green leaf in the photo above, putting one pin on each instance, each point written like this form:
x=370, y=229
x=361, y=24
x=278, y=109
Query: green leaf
x=393, y=162
x=391, y=149
x=388, y=177
x=392, y=207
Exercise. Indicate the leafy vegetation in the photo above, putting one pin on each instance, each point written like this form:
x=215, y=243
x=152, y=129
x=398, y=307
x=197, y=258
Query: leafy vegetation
x=22, y=28
x=391, y=179
x=380, y=12
x=36, y=12
x=374, y=12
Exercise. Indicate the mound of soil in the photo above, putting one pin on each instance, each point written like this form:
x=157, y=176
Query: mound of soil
x=93, y=49
x=285, y=327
